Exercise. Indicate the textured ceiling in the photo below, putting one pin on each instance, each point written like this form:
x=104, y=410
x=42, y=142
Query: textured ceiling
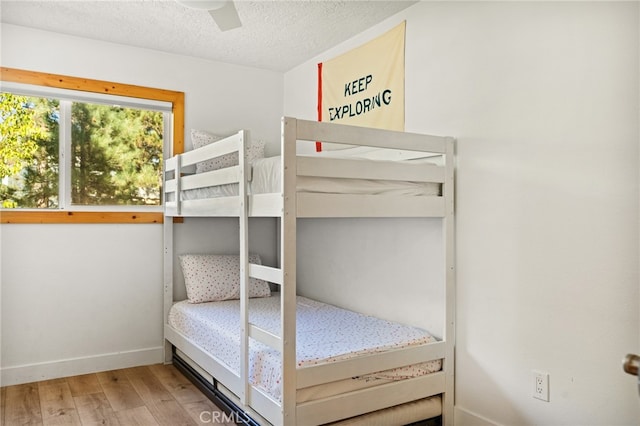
x=275, y=34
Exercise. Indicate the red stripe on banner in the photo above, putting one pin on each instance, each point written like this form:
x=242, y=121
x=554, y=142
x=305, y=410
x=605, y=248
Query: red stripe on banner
x=318, y=143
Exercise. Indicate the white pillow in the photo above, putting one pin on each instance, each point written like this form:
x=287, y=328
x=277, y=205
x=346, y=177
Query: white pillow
x=200, y=138
x=211, y=278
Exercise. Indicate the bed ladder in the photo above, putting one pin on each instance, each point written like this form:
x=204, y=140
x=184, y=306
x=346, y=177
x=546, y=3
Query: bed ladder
x=284, y=277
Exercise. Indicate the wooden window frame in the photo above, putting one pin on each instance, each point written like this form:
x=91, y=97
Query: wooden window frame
x=104, y=87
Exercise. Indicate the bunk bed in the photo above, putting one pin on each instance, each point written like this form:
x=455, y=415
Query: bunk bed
x=304, y=385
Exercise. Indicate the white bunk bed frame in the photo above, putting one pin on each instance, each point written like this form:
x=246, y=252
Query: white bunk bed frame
x=288, y=206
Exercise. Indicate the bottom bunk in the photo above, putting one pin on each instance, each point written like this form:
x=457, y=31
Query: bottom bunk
x=208, y=335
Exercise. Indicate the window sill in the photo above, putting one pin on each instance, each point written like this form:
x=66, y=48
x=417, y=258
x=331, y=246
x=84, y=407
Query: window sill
x=74, y=217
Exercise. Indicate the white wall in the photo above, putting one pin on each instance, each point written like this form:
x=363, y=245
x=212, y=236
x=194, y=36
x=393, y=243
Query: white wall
x=543, y=98
x=81, y=298
x=338, y=264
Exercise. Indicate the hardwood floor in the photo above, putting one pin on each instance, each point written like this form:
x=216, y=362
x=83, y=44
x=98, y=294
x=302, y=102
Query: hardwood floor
x=146, y=396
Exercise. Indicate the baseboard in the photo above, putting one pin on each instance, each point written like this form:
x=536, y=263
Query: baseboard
x=75, y=366
x=464, y=417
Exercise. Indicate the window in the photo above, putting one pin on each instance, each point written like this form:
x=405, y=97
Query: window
x=64, y=154
x=80, y=155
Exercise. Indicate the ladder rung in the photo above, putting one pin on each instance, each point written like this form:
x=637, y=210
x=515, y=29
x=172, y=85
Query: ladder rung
x=267, y=273
x=265, y=337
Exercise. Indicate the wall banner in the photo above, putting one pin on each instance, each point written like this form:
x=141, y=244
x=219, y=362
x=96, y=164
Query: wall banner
x=365, y=86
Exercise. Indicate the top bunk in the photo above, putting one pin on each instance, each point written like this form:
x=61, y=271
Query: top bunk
x=373, y=173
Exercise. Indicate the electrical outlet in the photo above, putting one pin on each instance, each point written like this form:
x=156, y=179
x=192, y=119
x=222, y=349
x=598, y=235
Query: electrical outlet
x=541, y=385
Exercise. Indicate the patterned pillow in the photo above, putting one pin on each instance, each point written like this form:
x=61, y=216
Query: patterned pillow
x=200, y=138
x=211, y=278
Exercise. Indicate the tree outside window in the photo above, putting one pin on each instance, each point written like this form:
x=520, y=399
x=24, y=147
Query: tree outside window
x=114, y=154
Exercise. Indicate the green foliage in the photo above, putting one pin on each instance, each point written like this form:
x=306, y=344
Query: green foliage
x=117, y=155
x=116, y=158
x=19, y=132
x=39, y=179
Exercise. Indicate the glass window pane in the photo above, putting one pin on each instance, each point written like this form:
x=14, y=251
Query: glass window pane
x=29, y=150
x=116, y=155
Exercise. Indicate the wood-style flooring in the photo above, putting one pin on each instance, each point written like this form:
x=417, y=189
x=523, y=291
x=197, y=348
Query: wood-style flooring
x=147, y=396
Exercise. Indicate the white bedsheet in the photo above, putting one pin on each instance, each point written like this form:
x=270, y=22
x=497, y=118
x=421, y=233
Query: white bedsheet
x=266, y=178
x=325, y=333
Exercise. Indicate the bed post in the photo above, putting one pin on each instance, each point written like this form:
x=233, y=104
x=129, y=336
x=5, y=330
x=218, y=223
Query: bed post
x=244, y=266
x=167, y=237
x=168, y=279
x=288, y=265
x=450, y=282
x=178, y=174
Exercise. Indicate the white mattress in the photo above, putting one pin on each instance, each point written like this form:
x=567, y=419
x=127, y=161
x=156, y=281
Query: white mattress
x=266, y=178
x=325, y=333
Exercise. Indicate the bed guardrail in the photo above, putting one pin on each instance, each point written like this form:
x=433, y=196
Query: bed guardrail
x=315, y=204
x=177, y=181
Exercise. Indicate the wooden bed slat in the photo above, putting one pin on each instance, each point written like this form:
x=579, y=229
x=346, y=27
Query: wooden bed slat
x=263, y=336
x=317, y=205
x=170, y=208
x=367, y=364
x=267, y=273
x=213, y=150
x=369, y=399
x=265, y=205
x=209, y=363
x=223, y=206
x=170, y=185
x=268, y=408
x=170, y=164
x=346, y=205
x=362, y=169
x=379, y=138
x=220, y=177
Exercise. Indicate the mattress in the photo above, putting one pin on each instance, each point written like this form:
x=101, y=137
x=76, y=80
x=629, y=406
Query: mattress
x=266, y=178
x=325, y=333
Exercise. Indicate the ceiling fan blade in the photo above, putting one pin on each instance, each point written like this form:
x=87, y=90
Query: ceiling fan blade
x=226, y=17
